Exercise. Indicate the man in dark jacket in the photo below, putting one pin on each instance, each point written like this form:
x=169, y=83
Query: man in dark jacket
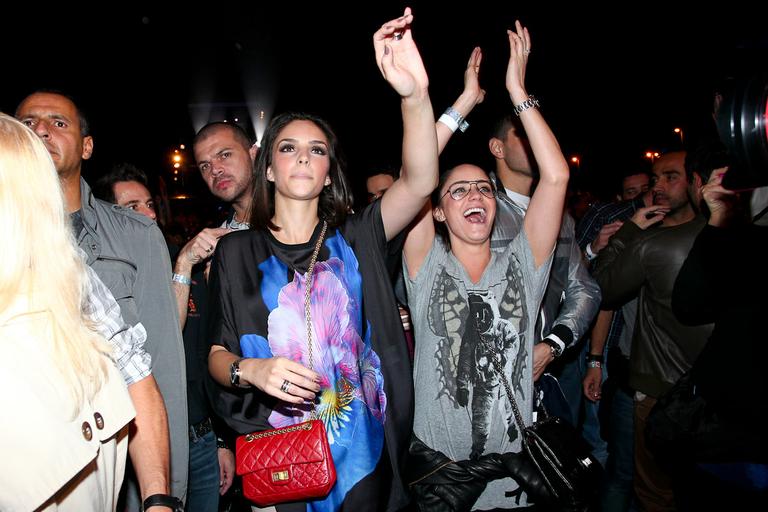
x=644, y=257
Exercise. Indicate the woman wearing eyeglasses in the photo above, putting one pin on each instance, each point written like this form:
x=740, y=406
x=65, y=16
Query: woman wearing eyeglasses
x=471, y=306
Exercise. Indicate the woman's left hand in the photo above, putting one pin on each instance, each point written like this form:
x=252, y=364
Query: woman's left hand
x=472, y=90
x=398, y=58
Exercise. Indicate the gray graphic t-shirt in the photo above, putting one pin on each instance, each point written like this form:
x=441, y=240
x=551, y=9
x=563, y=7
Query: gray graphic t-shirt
x=461, y=406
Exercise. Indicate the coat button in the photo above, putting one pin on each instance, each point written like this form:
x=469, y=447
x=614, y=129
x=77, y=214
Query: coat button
x=99, y=420
x=87, y=432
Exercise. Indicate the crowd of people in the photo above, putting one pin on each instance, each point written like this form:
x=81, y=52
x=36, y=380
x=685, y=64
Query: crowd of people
x=132, y=361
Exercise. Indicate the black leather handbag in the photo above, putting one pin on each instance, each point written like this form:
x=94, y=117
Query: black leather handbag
x=562, y=460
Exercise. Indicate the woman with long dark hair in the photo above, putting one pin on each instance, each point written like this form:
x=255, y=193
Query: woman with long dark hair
x=360, y=383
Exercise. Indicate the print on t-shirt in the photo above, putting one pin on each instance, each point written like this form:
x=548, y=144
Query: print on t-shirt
x=474, y=331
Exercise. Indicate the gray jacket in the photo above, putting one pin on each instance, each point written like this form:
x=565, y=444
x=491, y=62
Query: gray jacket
x=573, y=297
x=129, y=254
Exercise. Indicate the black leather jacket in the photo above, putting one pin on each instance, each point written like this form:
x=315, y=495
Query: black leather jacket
x=647, y=262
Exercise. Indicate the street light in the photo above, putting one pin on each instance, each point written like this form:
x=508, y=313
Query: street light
x=651, y=155
x=177, y=162
x=576, y=160
x=679, y=131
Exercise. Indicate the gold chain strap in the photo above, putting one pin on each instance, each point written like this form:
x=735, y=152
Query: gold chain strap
x=308, y=286
x=307, y=294
x=276, y=432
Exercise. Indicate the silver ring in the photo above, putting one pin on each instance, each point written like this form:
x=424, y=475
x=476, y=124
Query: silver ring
x=285, y=386
x=526, y=52
x=398, y=36
x=209, y=249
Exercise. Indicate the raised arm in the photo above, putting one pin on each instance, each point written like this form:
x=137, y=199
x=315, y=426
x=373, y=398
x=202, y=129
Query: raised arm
x=400, y=64
x=422, y=232
x=470, y=97
x=542, y=221
x=197, y=250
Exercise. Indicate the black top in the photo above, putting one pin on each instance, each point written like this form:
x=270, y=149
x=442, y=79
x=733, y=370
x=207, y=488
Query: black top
x=724, y=280
x=196, y=348
x=196, y=344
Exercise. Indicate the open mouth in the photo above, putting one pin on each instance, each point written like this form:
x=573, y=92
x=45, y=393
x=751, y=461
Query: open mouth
x=475, y=215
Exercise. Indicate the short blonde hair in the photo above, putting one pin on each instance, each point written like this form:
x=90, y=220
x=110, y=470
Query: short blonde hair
x=40, y=267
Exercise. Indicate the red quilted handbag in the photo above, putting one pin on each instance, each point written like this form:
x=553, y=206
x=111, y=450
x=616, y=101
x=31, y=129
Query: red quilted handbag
x=290, y=463
x=286, y=464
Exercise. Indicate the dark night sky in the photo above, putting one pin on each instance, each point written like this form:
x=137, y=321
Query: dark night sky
x=610, y=90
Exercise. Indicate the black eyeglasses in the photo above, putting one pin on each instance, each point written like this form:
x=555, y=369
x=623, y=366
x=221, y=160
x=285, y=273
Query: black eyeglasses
x=460, y=189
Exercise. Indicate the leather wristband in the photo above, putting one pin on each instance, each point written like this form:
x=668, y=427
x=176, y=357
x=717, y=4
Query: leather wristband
x=163, y=500
x=594, y=357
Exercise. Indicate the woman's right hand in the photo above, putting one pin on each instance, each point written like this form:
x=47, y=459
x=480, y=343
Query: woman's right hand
x=269, y=375
x=519, y=50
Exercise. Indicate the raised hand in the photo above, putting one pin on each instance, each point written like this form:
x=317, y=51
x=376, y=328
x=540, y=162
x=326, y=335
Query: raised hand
x=398, y=58
x=649, y=215
x=720, y=200
x=472, y=90
x=605, y=234
x=201, y=247
x=519, y=50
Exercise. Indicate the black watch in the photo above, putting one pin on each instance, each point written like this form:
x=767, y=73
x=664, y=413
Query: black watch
x=234, y=374
x=556, y=350
x=163, y=500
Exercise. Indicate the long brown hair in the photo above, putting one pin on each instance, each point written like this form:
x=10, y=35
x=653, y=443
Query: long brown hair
x=335, y=199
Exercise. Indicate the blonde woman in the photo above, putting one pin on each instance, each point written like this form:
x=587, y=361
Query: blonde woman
x=65, y=406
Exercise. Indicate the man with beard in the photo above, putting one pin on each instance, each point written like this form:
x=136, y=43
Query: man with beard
x=224, y=156
x=644, y=257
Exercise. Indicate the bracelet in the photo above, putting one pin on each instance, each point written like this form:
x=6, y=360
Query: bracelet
x=163, y=500
x=594, y=364
x=529, y=103
x=453, y=119
x=595, y=357
x=553, y=346
x=181, y=279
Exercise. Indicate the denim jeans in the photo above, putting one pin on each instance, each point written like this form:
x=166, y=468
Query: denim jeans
x=617, y=486
x=203, y=487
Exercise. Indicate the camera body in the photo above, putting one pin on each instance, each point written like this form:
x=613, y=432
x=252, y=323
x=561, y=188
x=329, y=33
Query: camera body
x=742, y=122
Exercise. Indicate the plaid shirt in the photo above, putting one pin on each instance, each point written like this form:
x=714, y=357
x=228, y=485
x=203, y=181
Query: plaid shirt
x=593, y=221
x=604, y=213
x=127, y=342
